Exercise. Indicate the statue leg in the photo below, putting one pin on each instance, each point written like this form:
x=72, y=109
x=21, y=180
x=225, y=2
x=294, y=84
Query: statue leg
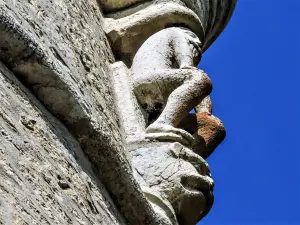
x=183, y=89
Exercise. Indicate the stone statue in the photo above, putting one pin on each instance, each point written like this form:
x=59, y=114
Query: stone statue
x=167, y=82
x=156, y=85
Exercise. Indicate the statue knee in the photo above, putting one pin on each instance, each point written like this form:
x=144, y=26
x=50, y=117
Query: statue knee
x=207, y=83
x=201, y=81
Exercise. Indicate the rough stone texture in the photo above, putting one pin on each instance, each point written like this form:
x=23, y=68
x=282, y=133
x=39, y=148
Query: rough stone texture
x=128, y=32
x=167, y=83
x=207, y=129
x=45, y=177
x=179, y=175
x=155, y=97
x=161, y=87
x=132, y=122
x=205, y=105
x=132, y=22
x=211, y=132
x=58, y=48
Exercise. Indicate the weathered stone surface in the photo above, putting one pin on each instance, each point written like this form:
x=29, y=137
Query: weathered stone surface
x=128, y=32
x=132, y=22
x=179, y=175
x=60, y=51
x=132, y=122
x=154, y=98
x=205, y=105
x=207, y=129
x=167, y=83
x=211, y=132
x=45, y=177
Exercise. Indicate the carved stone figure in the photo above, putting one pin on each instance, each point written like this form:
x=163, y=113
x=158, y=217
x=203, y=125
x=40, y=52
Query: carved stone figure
x=207, y=129
x=167, y=83
x=161, y=43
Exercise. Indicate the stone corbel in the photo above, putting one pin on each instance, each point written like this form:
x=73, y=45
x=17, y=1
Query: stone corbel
x=156, y=83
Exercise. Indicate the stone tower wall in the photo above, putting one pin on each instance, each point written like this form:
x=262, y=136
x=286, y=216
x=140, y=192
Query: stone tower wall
x=58, y=50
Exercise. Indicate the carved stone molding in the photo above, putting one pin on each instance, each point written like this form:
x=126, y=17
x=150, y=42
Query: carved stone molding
x=131, y=22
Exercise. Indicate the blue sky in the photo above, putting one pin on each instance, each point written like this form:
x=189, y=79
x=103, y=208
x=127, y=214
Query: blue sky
x=253, y=66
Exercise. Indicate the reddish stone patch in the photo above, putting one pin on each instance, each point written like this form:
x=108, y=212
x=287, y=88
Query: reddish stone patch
x=211, y=132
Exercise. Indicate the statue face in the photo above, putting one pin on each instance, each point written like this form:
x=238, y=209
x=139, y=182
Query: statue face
x=180, y=176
